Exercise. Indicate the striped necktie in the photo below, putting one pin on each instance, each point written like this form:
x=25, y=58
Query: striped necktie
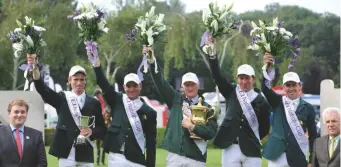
x=331, y=146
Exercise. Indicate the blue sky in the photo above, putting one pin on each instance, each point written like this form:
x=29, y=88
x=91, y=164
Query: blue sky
x=319, y=6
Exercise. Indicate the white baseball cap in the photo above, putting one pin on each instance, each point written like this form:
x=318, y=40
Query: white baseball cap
x=132, y=78
x=190, y=77
x=75, y=69
x=246, y=69
x=291, y=76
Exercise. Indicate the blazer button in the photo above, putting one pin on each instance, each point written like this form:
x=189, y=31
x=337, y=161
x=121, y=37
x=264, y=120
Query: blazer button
x=126, y=136
x=129, y=129
x=240, y=127
x=242, y=120
x=287, y=144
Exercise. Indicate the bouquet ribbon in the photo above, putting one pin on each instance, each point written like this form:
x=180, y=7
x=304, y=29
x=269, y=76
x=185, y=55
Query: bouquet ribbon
x=145, y=65
x=269, y=75
x=91, y=48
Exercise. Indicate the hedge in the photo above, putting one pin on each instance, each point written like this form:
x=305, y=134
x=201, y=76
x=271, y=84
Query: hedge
x=160, y=132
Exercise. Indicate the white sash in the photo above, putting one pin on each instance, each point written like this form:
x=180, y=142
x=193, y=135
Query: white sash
x=134, y=120
x=187, y=113
x=248, y=111
x=74, y=109
x=295, y=125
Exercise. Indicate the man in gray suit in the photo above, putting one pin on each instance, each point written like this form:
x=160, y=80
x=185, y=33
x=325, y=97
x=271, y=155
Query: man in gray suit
x=20, y=146
x=327, y=148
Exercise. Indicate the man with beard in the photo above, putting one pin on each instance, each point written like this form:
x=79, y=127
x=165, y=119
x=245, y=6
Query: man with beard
x=292, y=117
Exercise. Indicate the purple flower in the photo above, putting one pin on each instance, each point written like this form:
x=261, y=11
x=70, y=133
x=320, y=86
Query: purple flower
x=100, y=13
x=278, y=24
x=203, y=38
x=70, y=16
x=131, y=36
x=291, y=67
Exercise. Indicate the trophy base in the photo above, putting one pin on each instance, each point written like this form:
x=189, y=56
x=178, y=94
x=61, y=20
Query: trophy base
x=81, y=140
x=195, y=137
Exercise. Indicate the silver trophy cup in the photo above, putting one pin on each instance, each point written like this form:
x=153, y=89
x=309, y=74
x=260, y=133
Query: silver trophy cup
x=84, y=123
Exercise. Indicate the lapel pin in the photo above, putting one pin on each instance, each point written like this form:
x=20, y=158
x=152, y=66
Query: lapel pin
x=27, y=137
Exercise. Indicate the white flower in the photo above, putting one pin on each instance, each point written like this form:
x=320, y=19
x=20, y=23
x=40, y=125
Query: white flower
x=150, y=14
x=161, y=28
x=159, y=19
x=223, y=16
x=261, y=23
x=17, y=46
x=37, y=28
x=28, y=20
x=29, y=41
x=229, y=7
x=274, y=33
x=91, y=15
x=205, y=15
x=253, y=47
x=267, y=47
x=275, y=22
x=254, y=25
x=286, y=37
x=17, y=30
x=79, y=16
x=262, y=37
x=141, y=24
x=288, y=33
x=271, y=28
x=254, y=31
x=19, y=23
x=214, y=24
x=106, y=30
x=282, y=31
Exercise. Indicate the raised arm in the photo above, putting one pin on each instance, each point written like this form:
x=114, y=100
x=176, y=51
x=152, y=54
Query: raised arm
x=48, y=95
x=165, y=89
x=273, y=98
x=225, y=87
x=103, y=83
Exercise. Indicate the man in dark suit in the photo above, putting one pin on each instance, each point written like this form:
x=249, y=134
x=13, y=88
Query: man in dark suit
x=246, y=121
x=20, y=146
x=327, y=148
x=72, y=144
x=183, y=149
x=287, y=144
x=133, y=124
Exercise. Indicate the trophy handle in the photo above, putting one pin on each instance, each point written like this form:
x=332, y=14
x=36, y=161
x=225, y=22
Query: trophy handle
x=213, y=115
x=93, y=123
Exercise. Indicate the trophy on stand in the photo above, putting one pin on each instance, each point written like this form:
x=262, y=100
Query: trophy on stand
x=199, y=116
x=84, y=123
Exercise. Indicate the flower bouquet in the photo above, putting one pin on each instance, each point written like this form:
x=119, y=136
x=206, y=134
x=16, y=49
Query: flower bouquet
x=274, y=39
x=217, y=22
x=27, y=39
x=91, y=24
x=151, y=29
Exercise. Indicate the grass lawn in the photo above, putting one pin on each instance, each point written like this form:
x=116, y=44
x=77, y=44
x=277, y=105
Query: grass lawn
x=213, y=160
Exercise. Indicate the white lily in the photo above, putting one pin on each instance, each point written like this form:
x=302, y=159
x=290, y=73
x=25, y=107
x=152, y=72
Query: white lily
x=28, y=20
x=253, y=47
x=161, y=28
x=275, y=22
x=29, y=41
x=150, y=34
x=37, y=28
x=106, y=29
x=286, y=37
x=142, y=24
x=205, y=15
x=254, y=25
x=214, y=24
x=267, y=47
x=19, y=23
x=262, y=37
x=150, y=14
x=17, y=46
x=253, y=31
x=271, y=28
x=159, y=19
x=282, y=31
x=230, y=6
x=288, y=34
x=81, y=16
x=261, y=24
x=17, y=30
x=223, y=16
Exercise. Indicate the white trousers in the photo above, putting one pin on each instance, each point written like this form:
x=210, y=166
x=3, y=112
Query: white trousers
x=281, y=161
x=233, y=157
x=119, y=160
x=71, y=163
x=175, y=160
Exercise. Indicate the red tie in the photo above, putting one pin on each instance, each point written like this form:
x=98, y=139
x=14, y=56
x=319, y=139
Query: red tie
x=18, y=141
